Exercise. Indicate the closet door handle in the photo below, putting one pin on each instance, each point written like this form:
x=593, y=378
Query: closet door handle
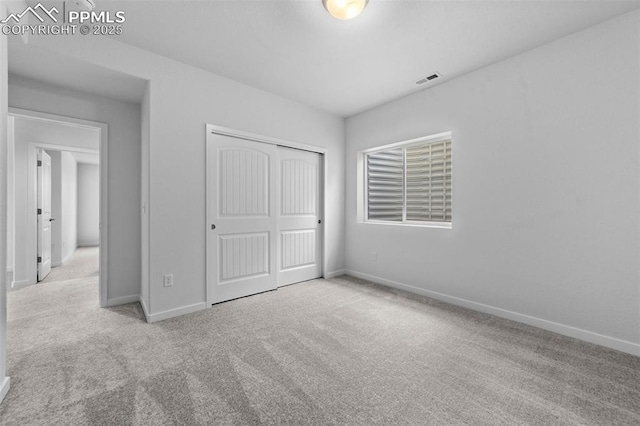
x=213, y=227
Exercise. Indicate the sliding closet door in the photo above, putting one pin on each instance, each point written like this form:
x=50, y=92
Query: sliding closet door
x=242, y=218
x=299, y=216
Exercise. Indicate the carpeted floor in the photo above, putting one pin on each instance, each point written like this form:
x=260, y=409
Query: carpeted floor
x=339, y=351
x=84, y=263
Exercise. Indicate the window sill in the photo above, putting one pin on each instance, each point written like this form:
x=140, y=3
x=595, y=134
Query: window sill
x=441, y=225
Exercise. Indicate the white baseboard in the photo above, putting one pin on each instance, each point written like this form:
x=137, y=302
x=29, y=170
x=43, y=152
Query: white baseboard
x=123, y=300
x=20, y=284
x=145, y=311
x=567, y=330
x=334, y=274
x=4, y=388
x=176, y=312
x=55, y=264
x=89, y=244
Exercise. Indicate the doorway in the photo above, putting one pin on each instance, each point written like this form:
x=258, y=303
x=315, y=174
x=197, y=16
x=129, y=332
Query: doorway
x=45, y=236
x=264, y=212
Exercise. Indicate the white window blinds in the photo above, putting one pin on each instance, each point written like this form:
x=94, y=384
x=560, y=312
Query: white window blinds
x=428, y=177
x=411, y=183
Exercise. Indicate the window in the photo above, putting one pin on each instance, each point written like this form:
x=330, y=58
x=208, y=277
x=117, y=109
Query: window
x=410, y=182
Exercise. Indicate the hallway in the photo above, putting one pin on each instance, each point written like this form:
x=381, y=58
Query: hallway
x=84, y=263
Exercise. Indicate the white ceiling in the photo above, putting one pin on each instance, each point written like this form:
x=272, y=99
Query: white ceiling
x=296, y=50
x=44, y=65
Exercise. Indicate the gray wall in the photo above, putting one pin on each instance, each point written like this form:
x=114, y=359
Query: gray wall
x=88, y=205
x=69, y=204
x=10, y=197
x=545, y=188
x=56, y=207
x=144, y=202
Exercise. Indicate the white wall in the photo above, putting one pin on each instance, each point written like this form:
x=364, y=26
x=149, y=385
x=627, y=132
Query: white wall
x=182, y=100
x=144, y=202
x=4, y=381
x=123, y=120
x=56, y=208
x=19, y=207
x=545, y=188
x=69, y=202
x=10, y=197
x=88, y=205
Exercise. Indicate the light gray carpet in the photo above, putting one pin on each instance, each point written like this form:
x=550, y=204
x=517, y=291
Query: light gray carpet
x=324, y=352
x=84, y=263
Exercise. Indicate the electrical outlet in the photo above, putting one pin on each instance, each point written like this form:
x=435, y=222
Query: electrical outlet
x=168, y=280
x=374, y=256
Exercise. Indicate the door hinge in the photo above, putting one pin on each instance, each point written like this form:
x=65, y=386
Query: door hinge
x=39, y=259
x=39, y=163
x=39, y=211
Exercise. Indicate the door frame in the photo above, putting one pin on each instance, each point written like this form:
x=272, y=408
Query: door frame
x=213, y=130
x=32, y=185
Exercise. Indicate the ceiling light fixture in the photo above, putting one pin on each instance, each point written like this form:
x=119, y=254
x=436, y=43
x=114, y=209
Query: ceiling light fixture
x=344, y=9
x=87, y=5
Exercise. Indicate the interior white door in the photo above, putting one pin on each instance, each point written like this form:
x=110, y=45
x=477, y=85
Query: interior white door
x=299, y=216
x=44, y=214
x=241, y=211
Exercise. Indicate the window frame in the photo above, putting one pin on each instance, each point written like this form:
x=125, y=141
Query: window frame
x=363, y=213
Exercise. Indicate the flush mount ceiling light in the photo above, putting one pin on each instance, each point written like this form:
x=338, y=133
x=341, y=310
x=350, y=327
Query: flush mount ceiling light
x=344, y=9
x=87, y=5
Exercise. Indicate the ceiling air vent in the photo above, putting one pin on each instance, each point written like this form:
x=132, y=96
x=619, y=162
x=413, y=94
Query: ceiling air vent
x=429, y=78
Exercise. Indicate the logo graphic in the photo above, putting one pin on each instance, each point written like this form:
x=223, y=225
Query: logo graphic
x=34, y=12
x=70, y=22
